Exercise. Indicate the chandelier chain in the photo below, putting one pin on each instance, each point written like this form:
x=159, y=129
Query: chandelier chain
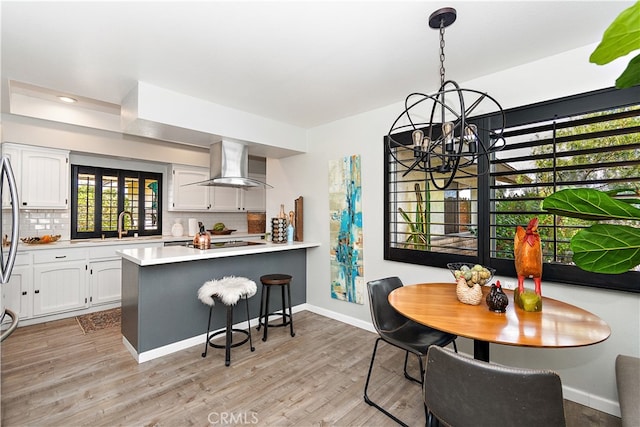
x=441, y=53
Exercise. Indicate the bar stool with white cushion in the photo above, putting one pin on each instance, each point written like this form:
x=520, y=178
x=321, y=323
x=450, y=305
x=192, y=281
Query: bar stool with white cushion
x=228, y=291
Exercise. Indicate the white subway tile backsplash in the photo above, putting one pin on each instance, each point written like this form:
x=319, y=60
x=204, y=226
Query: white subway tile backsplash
x=39, y=222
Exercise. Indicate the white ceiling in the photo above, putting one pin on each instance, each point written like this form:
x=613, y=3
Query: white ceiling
x=303, y=63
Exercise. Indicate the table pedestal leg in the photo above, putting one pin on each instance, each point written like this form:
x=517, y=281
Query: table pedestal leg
x=481, y=350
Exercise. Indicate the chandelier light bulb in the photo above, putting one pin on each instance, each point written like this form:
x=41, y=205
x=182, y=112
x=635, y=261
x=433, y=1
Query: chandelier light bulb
x=447, y=135
x=418, y=138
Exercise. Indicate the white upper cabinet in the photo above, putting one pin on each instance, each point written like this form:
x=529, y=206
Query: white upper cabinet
x=198, y=198
x=255, y=200
x=13, y=153
x=186, y=197
x=42, y=175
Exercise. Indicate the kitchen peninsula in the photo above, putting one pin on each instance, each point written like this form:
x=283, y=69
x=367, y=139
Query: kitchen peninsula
x=161, y=312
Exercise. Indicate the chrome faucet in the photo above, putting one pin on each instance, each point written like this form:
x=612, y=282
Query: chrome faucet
x=120, y=217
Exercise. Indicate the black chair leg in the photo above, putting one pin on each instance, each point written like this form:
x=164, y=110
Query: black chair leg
x=366, y=386
x=266, y=314
x=406, y=373
x=206, y=342
x=293, y=334
x=246, y=301
x=263, y=296
x=229, y=335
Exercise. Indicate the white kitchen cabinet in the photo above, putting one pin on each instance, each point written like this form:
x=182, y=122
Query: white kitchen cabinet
x=59, y=281
x=199, y=198
x=226, y=199
x=13, y=153
x=105, y=278
x=42, y=176
x=185, y=197
x=255, y=200
x=17, y=294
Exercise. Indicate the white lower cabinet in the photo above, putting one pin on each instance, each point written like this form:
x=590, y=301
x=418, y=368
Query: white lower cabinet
x=59, y=287
x=17, y=293
x=64, y=282
x=105, y=279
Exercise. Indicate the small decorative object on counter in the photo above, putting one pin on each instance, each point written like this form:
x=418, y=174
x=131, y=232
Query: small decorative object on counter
x=177, y=229
x=527, y=250
x=256, y=222
x=298, y=233
x=193, y=227
x=282, y=215
x=290, y=228
x=278, y=230
x=202, y=240
x=497, y=300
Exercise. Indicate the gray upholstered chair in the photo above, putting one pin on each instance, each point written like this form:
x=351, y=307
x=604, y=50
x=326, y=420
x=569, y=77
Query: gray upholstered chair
x=628, y=382
x=395, y=329
x=460, y=391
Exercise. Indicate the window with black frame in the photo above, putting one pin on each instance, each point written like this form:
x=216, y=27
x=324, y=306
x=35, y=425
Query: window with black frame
x=100, y=195
x=590, y=140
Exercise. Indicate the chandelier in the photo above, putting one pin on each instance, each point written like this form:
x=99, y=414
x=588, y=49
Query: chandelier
x=444, y=144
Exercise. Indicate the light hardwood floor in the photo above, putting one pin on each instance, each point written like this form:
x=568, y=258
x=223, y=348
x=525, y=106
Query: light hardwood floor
x=53, y=375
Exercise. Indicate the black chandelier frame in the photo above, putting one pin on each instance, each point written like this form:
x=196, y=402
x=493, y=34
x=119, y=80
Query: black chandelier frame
x=451, y=146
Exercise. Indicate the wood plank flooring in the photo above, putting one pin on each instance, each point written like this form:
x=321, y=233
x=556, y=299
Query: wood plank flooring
x=53, y=375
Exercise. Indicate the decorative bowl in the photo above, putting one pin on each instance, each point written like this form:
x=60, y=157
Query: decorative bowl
x=221, y=232
x=476, y=273
x=47, y=238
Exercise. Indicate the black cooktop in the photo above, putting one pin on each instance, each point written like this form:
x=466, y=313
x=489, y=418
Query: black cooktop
x=231, y=244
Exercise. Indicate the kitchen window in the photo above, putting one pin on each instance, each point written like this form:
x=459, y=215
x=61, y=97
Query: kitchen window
x=100, y=195
x=589, y=140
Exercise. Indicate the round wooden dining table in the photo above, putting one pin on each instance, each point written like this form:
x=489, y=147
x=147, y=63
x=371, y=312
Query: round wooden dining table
x=558, y=324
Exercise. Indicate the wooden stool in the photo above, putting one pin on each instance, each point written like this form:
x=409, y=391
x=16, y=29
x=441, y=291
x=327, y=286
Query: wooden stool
x=228, y=291
x=268, y=281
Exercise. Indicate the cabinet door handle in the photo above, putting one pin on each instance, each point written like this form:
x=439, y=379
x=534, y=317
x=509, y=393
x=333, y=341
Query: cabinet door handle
x=60, y=256
x=24, y=292
x=37, y=291
x=24, y=203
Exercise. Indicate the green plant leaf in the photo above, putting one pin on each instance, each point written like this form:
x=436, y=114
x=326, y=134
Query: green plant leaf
x=622, y=37
x=631, y=75
x=606, y=248
x=589, y=204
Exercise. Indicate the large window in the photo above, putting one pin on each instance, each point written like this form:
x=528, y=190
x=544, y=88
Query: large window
x=100, y=195
x=590, y=140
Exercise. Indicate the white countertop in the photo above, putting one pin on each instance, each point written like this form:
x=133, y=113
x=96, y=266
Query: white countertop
x=82, y=243
x=173, y=254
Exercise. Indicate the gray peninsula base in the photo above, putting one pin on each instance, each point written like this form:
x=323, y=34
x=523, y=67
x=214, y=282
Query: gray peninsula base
x=160, y=304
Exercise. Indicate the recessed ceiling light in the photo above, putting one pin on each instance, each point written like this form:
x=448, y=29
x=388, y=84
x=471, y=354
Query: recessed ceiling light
x=67, y=99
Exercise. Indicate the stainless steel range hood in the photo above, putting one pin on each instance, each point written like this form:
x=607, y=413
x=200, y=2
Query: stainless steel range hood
x=229, y=166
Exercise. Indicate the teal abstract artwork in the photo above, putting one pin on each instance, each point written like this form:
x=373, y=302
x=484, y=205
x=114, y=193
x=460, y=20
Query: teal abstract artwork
x=345, y=224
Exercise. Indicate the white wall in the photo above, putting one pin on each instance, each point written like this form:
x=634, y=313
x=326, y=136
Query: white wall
x=587, y=373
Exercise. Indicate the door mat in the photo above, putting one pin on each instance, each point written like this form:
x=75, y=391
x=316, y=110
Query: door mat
x=99, y=320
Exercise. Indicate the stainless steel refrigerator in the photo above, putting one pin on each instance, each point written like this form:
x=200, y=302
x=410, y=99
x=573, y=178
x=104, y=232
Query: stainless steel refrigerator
x=8, y=254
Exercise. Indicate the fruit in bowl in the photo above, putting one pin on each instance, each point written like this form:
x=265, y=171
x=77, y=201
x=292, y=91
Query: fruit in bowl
x=472, y=273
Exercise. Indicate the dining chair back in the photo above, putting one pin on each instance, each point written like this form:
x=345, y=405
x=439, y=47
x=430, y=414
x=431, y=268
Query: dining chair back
x=461, y=391
x=399, y=331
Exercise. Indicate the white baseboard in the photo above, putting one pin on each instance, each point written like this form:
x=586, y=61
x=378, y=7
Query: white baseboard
x=596, y=402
